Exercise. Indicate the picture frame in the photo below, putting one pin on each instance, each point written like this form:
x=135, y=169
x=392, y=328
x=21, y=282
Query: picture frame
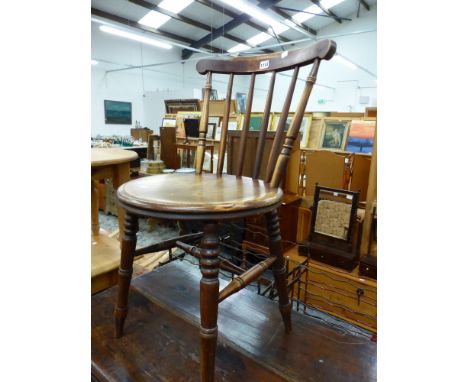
x=211, y=130
x=333, y=213
x=169, y=122
x=361, y=136
x=240, y=99
x=315, y=132
x=213, y=94
x=334, y=134
x=173, y=106
x=255, y=121
x=117, y=112
x=304, y=129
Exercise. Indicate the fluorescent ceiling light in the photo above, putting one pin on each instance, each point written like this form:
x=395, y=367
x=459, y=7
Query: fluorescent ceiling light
x=238, y=48
x=301, y=17
x=94, y=62
x=258, y=14
x=327, y=4
x=135, y=37
x=346, y=62
x=175, y=6
x=153, y=19
x=259, y=38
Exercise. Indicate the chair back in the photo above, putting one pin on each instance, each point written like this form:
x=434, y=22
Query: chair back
x=267, y=63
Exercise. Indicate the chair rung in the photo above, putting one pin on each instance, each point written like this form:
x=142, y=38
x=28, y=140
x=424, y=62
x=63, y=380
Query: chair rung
x=241, y=281
x=167, y=244
x=187, y=248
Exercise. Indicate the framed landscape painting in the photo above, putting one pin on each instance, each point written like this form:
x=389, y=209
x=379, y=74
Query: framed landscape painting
x=334, y=135
x=361, y=136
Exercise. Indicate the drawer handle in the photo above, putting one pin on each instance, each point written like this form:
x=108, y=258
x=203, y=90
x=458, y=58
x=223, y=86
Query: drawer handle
x=359, y=293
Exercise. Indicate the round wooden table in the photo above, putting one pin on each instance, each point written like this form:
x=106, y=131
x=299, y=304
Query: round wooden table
x=108, y=163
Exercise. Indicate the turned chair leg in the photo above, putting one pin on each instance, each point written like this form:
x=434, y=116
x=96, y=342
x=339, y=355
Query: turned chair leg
x=279, y=267
x=209, y=292
x=125, y=271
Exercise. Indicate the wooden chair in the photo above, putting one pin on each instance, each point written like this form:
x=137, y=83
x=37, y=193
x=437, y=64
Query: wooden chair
x=216, y=197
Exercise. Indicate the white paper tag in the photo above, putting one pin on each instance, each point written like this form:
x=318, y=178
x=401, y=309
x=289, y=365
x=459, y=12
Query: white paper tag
x=264, y=64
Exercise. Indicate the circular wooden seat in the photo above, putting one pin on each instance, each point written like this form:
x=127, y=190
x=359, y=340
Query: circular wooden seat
x=191, y=196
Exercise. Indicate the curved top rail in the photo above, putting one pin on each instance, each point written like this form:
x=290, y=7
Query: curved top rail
x=280, y=61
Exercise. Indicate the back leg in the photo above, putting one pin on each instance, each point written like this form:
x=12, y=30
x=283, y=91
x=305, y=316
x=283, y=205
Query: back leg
x=279, y=267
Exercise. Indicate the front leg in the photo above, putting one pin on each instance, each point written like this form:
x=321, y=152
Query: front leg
x=125, y=271
x=209, y=293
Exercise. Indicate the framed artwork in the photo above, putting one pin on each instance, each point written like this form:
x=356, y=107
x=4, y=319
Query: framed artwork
x=361, y=136
x=117, y=112
x=232, y=125
x=173, y=106
x=215, y=120
x=213, y=94
x=169, y=122
x=304, y=130
x=334, y=134
x=334, y=212
x=315, y=133
x=211, y=130
x=255, y=121
x=240, y=98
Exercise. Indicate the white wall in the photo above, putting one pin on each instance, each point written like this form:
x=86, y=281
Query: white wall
x=147, y=89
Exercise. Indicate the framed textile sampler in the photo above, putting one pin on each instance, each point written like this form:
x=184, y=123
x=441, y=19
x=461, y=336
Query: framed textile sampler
x=335, y=232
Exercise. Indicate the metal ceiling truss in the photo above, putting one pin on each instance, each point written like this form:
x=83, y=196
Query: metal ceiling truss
x=156, y=32
x=189, y=21
x=231, y=14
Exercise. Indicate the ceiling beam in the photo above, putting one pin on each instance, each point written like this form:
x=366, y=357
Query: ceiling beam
x=232, y=14
x=365, y=5
x=305, y=28
x=157, y=32
x=327, y=11
x=184, y=19
x=236, y=21
x=265, y=4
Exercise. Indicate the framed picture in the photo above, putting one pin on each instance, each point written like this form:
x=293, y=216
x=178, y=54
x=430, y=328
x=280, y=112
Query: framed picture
x=361, y=136
x=169, y=122
x=232, y=125
x=334, y=134
x=173, y=106
x=117, y=112
x=315, y=132
x=304, y=130
x=211, y=130
x=240, y=98
x=215, y=120
x=213, y=94
x=334, y=212
x=255, y=121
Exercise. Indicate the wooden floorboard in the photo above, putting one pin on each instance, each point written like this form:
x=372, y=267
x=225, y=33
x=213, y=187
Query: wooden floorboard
x=161, y=340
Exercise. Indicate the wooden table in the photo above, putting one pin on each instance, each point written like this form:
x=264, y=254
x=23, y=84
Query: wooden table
x=193, y=147
x=108, y=163
x=105, y=251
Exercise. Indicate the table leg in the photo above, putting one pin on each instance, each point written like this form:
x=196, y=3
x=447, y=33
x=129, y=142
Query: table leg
x=94, y=207
x=122, y=175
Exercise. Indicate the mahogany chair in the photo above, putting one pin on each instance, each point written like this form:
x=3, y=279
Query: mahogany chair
x=218, y=197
